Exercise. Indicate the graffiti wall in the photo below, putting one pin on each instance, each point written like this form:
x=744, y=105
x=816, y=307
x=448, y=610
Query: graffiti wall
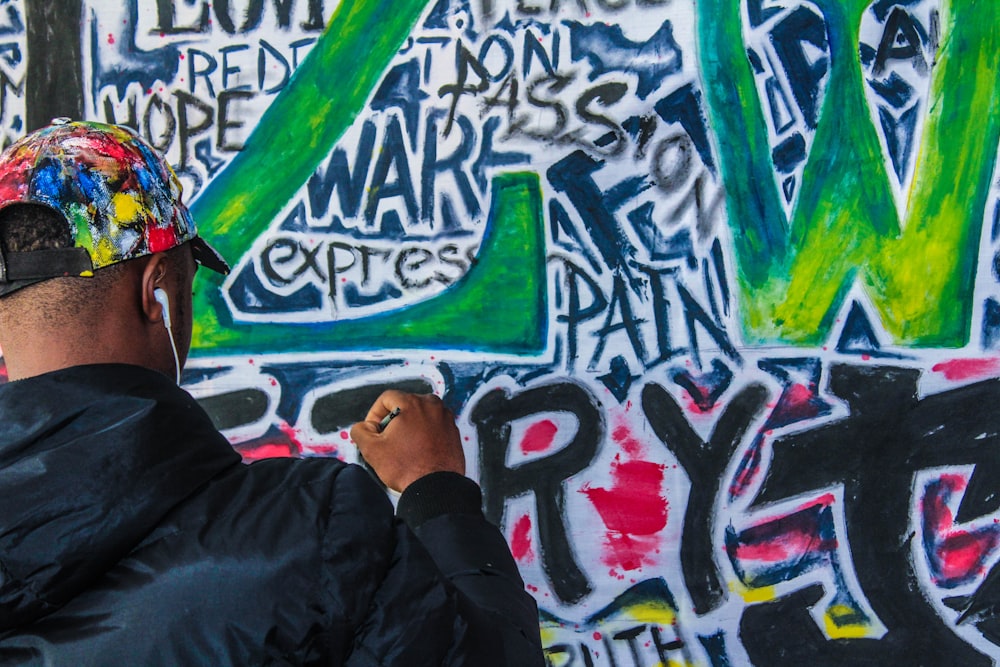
x=712, y=286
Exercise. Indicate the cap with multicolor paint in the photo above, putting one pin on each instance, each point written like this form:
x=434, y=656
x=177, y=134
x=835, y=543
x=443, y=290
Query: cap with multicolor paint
x=120, y=199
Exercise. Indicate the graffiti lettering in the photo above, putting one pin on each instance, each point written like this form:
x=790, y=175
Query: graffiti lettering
x=584, y=7
x=544, y=477
x=167, y=123
x=607, y=652
x=174, y=17
x=238, y=67
x=288, y=263
x=703, y=282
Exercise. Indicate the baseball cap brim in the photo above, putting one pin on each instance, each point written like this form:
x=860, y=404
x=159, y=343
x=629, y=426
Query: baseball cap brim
x=207, y=256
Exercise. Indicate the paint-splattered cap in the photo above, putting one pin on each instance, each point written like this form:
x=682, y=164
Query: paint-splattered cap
x=120, y=199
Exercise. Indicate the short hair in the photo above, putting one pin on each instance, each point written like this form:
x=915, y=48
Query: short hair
x=30, y=227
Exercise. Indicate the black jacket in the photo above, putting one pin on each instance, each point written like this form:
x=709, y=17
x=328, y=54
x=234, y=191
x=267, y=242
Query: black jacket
x=132, y=534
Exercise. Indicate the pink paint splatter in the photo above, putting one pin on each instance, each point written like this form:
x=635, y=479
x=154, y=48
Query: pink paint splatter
x=956, y=555
x=634, y=511
x=520, y=541
x=327, y=451
x=539, y=437
x=271, y=450
x=111, y=38
x=622, y=434
x=965, y=369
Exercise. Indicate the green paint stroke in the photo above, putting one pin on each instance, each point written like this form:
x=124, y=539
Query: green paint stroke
x=499, y=306
x=301, y=126
x=919, y=271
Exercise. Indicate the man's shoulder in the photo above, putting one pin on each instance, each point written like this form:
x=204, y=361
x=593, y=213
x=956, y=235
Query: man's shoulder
x=299, y=494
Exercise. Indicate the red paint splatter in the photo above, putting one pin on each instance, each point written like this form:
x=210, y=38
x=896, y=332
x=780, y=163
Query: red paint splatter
x=692, y=406
x=290, y=432
x=958, y=555
x=963, y=553
x=791, y=544
x=111, y=38
x=539, y=437
x=628, y=442
x=160, y=238
x=798, y=394
x=964, y=369
x=520, y=541
x=272, y=450
x=634, y=511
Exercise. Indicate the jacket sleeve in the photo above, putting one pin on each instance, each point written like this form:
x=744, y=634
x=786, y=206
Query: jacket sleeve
x=444, y=510
x=448, y=593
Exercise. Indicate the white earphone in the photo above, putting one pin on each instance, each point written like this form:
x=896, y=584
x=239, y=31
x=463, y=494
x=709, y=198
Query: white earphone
x=164, y=301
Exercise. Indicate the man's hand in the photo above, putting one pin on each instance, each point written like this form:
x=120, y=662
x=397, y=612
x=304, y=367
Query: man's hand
x=421, y=439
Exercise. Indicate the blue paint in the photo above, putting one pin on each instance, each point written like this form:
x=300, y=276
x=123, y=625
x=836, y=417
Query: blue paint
x=392, y=157
x=607, y=49
x=619, y=380
x=250, y=296
x=705, y=389
x=488, y=158
x=432, y=165
x=899, y=133
x=794, y=374
x=684, y=106
x=804, y=74
x=353, y=297
x=134, y=65
x=789, y=153
x=573, y=175
x=400, y=88
x=895, y=90
x=661, y=247
x=350, y=185
x=991, y=324
x=858, y=335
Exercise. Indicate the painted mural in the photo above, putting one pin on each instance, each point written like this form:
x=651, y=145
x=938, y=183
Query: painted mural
x=712, y=286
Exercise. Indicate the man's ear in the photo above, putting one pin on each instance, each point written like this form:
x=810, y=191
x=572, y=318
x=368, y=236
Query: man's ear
x=153, y=277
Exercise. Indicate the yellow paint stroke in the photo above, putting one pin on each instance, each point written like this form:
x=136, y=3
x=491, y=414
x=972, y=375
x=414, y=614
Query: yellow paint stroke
x=838, y=628
x=753, y=595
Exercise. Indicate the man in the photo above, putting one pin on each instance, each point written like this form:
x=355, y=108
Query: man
x=131, y=533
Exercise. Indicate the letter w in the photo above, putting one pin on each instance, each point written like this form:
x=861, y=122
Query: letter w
x=917, y=268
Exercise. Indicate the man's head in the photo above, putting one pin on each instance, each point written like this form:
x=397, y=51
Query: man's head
x=91, y=226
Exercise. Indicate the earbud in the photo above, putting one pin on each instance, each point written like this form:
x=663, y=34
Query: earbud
x=162, y=299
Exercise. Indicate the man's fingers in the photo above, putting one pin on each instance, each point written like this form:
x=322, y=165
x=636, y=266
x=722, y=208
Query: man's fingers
x=363, y=432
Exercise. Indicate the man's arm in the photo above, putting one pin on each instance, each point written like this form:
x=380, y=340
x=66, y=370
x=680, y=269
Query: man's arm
x=419, y=453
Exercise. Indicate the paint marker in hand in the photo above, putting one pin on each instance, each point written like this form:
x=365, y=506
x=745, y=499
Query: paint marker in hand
x=393, y=494
x=388, y=418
